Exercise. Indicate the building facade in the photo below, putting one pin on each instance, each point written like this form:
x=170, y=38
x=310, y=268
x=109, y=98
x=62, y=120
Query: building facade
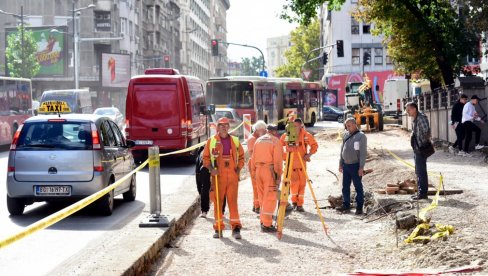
x=357, y=39
x=275, y=51
x=219, y=32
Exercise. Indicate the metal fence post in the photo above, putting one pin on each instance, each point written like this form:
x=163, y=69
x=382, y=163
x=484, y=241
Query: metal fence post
x=155, y=219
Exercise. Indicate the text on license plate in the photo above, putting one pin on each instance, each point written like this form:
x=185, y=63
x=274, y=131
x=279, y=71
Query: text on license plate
x=144, y=142
x=53, y=190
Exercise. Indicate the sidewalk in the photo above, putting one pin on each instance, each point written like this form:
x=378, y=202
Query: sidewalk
x=354, y=244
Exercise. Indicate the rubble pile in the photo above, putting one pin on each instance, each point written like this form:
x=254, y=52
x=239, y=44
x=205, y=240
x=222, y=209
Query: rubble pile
x=406, y=187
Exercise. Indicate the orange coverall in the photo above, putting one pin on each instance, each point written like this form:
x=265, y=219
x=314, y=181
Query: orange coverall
x=250, y=147
x=228, y=167
x=298, y=182
x=267, y=166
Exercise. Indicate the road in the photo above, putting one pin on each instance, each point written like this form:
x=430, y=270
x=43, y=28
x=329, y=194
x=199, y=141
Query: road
x=55, y=248
x=44, y=251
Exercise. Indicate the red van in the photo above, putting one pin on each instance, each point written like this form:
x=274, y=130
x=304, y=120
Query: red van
x=163, y=109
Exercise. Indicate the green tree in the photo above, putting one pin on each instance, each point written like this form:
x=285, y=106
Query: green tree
x=22, y=61
x=251, y=66
x=425, y=37
x=304, y=39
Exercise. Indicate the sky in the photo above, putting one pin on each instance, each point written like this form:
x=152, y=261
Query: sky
x=251, y=22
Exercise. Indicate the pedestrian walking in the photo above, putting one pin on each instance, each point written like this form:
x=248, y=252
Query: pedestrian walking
x=351, y=165
x=469, y=117
x=421, y=136
x=259, y=130
x=456, y=123
x=267, y=166
x=223, y=156
x=202, y=176
x=305, y=146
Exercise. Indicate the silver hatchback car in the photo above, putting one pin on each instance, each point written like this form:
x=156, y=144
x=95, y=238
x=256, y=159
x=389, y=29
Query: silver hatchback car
x=68, y=157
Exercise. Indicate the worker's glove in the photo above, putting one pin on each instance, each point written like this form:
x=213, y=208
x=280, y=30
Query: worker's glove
x=307, y=157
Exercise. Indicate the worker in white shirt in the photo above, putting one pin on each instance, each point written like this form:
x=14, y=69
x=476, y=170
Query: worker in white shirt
x=469, y=117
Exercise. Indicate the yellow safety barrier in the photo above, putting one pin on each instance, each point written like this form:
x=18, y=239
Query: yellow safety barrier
x=65, y=212
x=444, y=230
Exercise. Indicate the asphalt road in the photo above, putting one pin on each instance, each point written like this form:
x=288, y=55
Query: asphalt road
x=45, y=250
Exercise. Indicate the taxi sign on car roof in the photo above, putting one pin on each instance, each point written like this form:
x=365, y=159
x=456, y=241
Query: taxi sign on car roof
x=54, y=107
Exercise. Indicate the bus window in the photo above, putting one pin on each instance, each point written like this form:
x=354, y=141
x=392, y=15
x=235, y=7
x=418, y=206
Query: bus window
x=233, y=94
x=290, y=99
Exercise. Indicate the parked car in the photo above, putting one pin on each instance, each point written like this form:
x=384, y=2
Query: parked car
x=233, y=117
x=332, y=113
x=66, y=157
x=113, y=113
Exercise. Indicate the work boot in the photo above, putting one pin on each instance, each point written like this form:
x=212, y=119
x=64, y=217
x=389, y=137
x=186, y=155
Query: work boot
x=203, y=215
x=268, y=229
x=359, y=211
x=217, y=234
x=294, y=206
x=257, y=210
x=236, y=233
x=300, y=209
x=343, y=209
x=419, y=197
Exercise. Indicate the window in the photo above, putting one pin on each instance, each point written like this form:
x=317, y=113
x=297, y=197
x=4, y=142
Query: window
x=388, y=59
x=55, y=136
x=107, y=136
x=366, y=29
x=355, y=56
x=119, y=141
x=378, y=56
x=354, y=26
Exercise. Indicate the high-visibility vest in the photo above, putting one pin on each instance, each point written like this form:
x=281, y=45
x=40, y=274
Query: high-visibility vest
x=213, y=144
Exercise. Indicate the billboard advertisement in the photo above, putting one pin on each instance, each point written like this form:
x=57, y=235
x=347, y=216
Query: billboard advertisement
x=339, y=82
x=52, y=50
x=115, y=70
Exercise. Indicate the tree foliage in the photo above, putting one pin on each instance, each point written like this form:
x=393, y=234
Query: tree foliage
x=251, y=66
x=304, y=39
x=22, y=61
x=423, y=36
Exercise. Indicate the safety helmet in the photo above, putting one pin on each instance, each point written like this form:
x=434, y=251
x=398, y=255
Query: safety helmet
x=223, y=120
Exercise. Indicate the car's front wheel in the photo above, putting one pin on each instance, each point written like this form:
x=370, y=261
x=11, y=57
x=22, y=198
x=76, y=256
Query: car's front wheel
x=15, y=206
x=340, y=119
x=130, y=195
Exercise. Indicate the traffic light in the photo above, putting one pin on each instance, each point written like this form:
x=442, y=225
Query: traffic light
x=366, y=58
x=215, y=47
x=325, y=58
x=340, y=48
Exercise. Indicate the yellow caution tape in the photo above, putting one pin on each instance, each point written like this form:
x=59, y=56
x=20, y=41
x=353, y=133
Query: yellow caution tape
x=65, y=212
x=444, y=230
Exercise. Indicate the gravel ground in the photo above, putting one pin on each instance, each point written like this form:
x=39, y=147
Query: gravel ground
x=353, y=244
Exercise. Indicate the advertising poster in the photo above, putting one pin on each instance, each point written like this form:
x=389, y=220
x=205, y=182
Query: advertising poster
x=52, y=50
x=115, y=70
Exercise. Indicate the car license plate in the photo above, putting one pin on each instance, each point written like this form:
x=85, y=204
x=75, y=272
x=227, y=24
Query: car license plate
x=53, y=190
x=144, y=142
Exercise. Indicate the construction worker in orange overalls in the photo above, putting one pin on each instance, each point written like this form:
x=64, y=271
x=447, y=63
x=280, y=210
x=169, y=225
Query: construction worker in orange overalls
x=305, y=146
x=223, y=156
x=267, y=165
x=259, y=130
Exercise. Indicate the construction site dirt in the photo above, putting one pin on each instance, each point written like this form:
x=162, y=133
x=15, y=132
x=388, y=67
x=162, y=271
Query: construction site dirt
x=368, y=242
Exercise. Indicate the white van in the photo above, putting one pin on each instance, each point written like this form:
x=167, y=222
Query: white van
x=79, y=100
x=393, y=93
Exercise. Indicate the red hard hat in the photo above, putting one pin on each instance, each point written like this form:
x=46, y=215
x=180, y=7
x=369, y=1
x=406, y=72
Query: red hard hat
x=223, y=120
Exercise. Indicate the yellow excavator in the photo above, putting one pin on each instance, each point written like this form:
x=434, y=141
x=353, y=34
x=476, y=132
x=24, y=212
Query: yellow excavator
x=360, y=104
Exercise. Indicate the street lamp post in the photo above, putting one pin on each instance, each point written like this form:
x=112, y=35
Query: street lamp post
x=76, y=39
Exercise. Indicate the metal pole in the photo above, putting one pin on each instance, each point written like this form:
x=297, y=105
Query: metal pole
x=154, y=181
x=249, y=46
x=22, y=40
x=75, y=48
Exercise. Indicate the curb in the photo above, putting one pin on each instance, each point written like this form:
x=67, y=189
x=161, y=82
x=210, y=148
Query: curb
x=144, y=264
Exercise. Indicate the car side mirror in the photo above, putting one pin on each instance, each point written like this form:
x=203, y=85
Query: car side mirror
x=130, y=143
x=347, y=89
